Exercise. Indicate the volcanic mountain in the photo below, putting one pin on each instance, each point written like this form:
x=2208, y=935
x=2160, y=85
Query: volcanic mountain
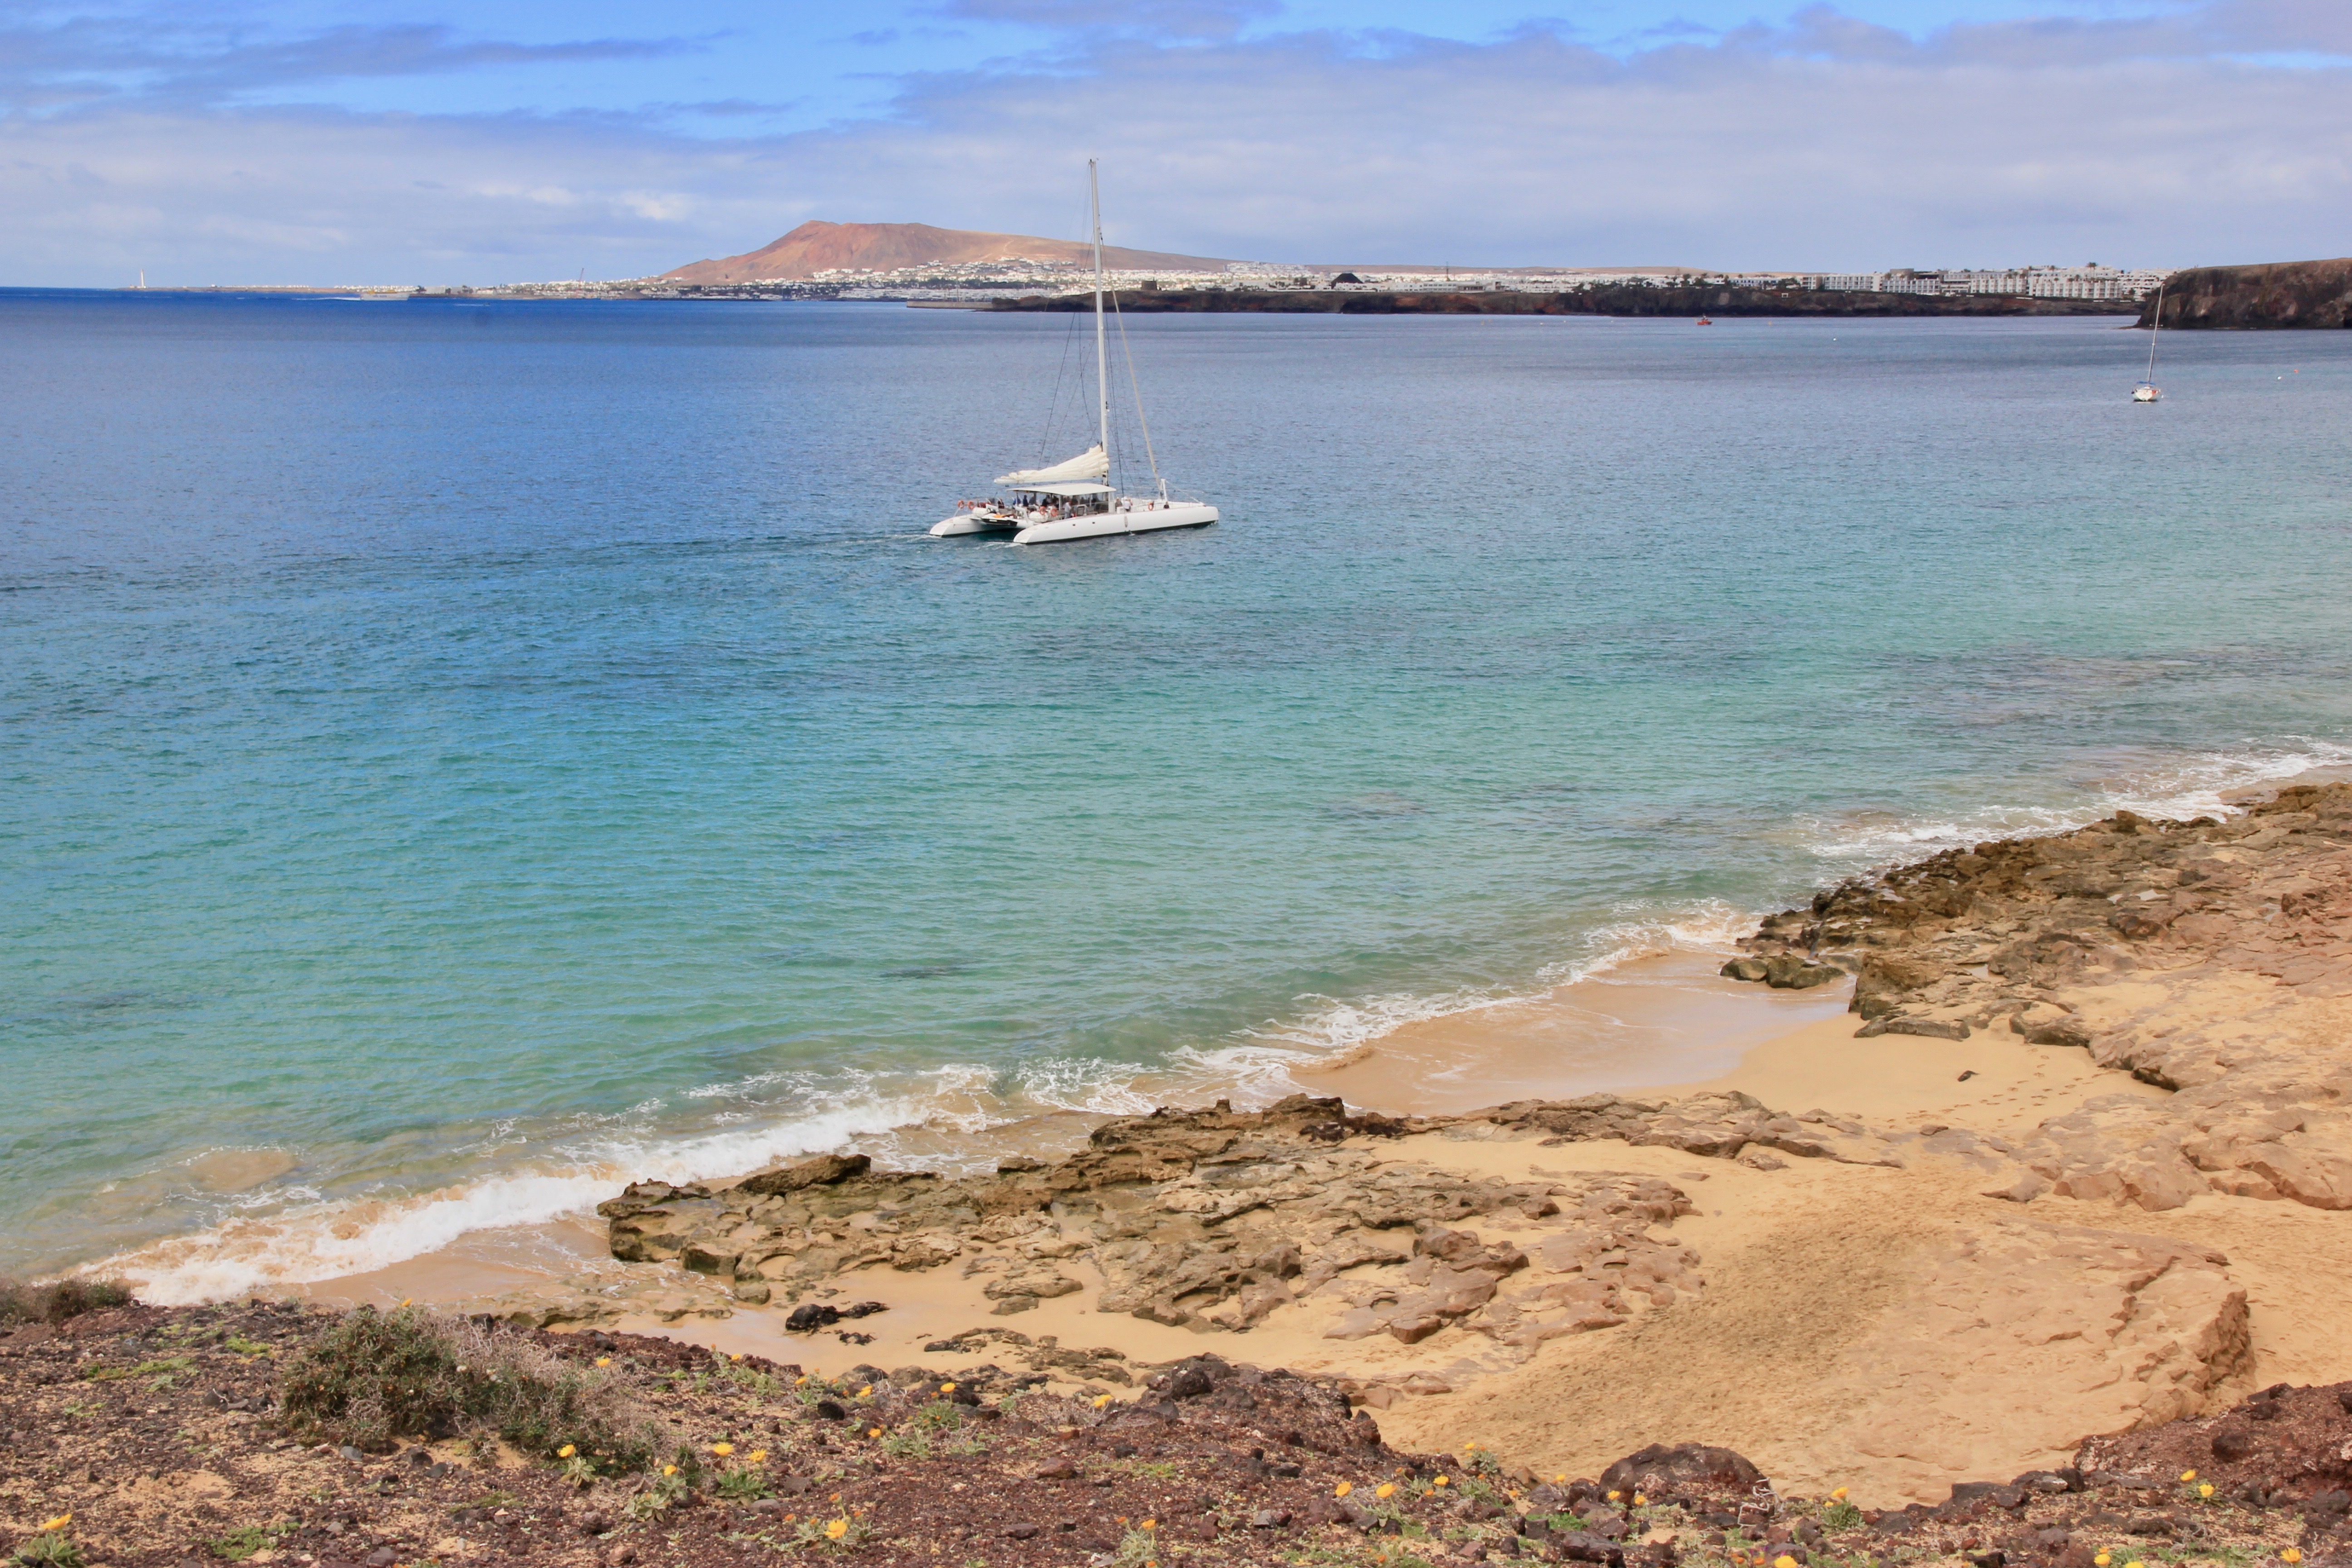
x=820, y=246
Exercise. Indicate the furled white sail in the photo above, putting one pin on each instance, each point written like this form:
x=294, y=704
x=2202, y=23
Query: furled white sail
x=1093, y=463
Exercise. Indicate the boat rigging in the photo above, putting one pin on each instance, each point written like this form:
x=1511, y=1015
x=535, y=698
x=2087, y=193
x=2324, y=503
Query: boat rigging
x=1075, y=499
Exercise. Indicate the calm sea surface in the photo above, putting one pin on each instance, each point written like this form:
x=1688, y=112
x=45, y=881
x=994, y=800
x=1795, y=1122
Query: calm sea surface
x=465, y=750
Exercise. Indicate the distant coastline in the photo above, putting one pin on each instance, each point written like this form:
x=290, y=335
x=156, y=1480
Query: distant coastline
x=1620, y=300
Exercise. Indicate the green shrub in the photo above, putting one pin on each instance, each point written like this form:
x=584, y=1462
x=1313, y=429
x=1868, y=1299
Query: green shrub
x=375, y=1377
x=241, y=1543
x=55, y=1303
x=745, y=1484
x=50, y=1548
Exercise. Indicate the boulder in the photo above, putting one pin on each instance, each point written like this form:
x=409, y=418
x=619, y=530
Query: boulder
x=1660, y=1467
x=825, y=1170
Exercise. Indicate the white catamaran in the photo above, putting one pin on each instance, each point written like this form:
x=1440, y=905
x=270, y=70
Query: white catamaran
x=1074, y=500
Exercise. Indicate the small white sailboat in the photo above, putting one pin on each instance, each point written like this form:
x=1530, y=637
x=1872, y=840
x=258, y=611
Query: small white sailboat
x=1075, y=499
x=2148, y=391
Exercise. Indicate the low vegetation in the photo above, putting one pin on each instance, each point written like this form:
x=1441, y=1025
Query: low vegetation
x=376, y=1377
x=57, y=1302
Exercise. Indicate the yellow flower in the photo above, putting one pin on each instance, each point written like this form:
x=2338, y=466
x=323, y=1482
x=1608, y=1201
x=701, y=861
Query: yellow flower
x=1784, y=1561
x=737, y=1356
x=1560, y=1478
x=801, y=1379
x=834, y=1529
x=669, y=1469
x=603, y=1360
x=757, y=1456
x=1385, y=1489
x=1838, y=1496
x=1343, y=1489
x=1438, y=1482
x=2291, y=1554
x=2188, y=1475
x=867, y=1391
x=946, y=1388
x=1150, y=1524
x=2205, y=1488
x=1612, y=1497
x=2135, y=1562
x=1101, y=1400
x=566, y=1451
x=874, y=1432
x=1641, y=1502
x=60, y=1523
x=2103, y=1559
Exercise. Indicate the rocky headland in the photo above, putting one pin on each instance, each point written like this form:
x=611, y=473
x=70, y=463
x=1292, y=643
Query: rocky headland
x=2273, y=294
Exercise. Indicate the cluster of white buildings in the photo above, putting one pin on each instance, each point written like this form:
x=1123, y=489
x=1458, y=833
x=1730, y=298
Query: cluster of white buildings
x=978, y=280
x=2092, y=282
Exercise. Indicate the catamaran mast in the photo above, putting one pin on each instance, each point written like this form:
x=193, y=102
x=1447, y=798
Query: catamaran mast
x=2154, y=327
x=1102, y=356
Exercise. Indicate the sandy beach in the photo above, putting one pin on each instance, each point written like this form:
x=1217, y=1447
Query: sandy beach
x=2060, y=1162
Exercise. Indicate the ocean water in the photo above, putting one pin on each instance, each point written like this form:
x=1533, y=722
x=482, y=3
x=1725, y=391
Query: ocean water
x=451, y=755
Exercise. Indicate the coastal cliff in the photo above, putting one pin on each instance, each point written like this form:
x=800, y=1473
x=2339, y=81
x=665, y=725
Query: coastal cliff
x=2273, y=294
x=1624, y=300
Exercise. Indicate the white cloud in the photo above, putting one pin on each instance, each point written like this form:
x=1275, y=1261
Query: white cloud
x=1818, y=142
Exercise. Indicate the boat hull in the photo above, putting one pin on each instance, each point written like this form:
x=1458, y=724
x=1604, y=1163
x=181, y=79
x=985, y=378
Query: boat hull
x=1105, y=524
x=973, y=522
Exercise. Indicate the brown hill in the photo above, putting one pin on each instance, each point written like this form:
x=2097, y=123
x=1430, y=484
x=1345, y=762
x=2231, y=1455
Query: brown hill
x=820, y=246
x=2273, y=294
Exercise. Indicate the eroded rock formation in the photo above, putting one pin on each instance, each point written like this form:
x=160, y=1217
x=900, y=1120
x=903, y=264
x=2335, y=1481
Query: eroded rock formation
x=2210, y=958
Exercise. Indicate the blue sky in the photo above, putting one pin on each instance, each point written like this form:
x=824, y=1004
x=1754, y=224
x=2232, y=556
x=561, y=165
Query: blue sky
x=390, y=141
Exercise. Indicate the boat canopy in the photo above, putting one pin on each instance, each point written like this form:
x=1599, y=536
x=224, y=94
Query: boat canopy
x=1093, y=463
x=1065, y=487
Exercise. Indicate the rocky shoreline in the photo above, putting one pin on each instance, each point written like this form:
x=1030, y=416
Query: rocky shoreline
x=2079, y=1195
x=2193, y=971
x=2209, y=959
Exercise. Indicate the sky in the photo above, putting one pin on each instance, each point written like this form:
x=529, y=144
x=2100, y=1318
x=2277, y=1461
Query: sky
x=409, y=141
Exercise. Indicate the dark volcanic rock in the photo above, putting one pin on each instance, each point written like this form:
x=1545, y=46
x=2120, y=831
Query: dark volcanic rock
x=1659, y=1466
x=2273, y=294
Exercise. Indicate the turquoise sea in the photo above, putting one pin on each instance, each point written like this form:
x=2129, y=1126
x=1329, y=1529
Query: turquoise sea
x=452, y=752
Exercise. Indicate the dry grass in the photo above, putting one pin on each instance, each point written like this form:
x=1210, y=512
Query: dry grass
x=376, y=1377
x=55, y=1303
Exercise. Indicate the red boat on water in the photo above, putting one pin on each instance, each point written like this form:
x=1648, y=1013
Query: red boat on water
x=1704, y=322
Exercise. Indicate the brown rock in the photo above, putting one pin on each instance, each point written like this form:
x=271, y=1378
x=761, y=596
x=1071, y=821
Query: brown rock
x=825, y=1170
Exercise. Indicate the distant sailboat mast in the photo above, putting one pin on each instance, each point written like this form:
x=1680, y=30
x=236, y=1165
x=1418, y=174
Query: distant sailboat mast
x=1102, y=354
x=2148, y=391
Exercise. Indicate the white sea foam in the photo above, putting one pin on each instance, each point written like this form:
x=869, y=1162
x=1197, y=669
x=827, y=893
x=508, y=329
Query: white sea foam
x=2176, y=788
x=305, y=1242
x=306, y=1238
